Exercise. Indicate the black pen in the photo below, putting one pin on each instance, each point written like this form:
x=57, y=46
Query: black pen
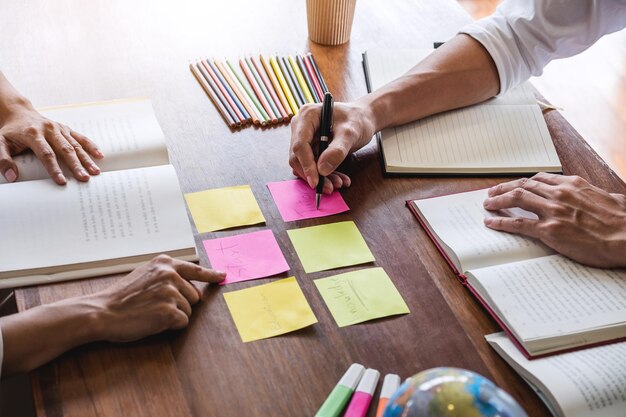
x=326, y=122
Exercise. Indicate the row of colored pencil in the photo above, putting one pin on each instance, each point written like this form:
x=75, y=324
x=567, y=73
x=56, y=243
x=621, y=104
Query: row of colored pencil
x=266, y=91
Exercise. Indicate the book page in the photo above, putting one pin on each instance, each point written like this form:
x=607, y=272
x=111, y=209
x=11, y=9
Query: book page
x=553, y=296
x=117, y=214
x=476, y=139
x=127, y=132
x=457, y=222
x=585, y=383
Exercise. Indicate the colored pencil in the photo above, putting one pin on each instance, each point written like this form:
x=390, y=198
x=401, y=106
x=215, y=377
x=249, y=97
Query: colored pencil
x=267, y=88
x=230, y=91
x=318, y=73
x=243, y=98
x=300, y=78
x=316, y=84
x=214, y=98
x=307, y=79
x=277, y=89
x=257, y=89
x=297, y=91
x=264, y=117
x=218, y=92
x=230, y=102
x=284, y=85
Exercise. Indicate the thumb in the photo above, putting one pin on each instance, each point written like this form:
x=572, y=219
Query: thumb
x=333, y=156
x=7, y=165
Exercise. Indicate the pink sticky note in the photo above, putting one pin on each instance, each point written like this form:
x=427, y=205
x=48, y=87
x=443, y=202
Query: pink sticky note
x=246, y=256
x=296, y=201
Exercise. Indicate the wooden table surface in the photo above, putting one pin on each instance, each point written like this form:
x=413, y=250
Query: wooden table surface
x=71, y=51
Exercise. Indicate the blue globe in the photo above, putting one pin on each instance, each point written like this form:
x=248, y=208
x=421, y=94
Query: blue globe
x=451, y=392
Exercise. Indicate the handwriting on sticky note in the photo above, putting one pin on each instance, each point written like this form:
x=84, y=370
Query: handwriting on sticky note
x=223, y=208
x=269, y=310
x=330, y=246
x=362, y=295
x=246, y=256
x=296, y=201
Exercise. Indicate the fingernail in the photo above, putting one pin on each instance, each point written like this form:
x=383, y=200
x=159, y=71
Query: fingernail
x=61, y=178
x=83, y=173
x=491, y=191
x=487, y=203
x=326, y=168
x=310, y=181
x=220, y=273
x=488, y=220
x=95, y=168
x=10, y=175
x=99, y=154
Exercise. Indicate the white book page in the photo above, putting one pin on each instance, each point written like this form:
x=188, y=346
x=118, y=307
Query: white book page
x=118, y=214
x=554, y=296
x=483, y=138
x=585, y=383
x=127, y=132
x=458, y=221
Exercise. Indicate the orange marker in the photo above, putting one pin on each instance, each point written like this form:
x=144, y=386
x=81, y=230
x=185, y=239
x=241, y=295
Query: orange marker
x=390, y=385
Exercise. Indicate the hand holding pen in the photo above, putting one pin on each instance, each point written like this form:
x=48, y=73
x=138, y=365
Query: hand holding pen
x=326, y=122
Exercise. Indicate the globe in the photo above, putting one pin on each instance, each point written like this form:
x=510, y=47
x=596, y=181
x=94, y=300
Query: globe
x=451, y=392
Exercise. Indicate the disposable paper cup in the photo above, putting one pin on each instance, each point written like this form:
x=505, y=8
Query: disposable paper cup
x=330, y=21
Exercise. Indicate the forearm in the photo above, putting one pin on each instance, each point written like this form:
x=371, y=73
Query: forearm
x=38, y=335
x=458, y=74
x=9, y=98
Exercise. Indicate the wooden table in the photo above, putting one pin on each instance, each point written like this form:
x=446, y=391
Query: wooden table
x=70, y=51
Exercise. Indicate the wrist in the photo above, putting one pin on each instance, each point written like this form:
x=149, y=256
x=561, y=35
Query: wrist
x=86, y=315
x=12, y=104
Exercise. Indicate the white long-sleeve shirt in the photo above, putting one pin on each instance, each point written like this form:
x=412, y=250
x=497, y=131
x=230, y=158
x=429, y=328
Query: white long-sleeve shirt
x=523, y=36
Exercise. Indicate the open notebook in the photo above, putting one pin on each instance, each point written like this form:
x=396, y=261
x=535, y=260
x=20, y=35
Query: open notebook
x=544, y=301
x=119, y=219
x=585, y=383
x=507, y=134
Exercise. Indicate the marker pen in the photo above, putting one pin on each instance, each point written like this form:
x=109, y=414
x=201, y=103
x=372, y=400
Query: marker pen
x=363, y=395
x=339, y=396
x=390, y=385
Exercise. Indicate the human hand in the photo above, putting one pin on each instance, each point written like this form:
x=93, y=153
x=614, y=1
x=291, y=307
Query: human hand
x=154, y=297
x=22, y=127
x=352, y=129
x=577, y=219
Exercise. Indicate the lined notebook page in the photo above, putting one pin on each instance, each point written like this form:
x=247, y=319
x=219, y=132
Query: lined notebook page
x=127, y=131
x=504, y=134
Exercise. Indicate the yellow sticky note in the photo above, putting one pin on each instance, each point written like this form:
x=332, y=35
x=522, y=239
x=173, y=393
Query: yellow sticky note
x=222, y=208
x=358, y=296
x=330, y=246
x=269, y=310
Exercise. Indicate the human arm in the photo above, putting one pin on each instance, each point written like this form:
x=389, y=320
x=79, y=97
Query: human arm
x=575, y=218
x=513, y=44
x=22, y=127
x=457, y=74
x=154, y=297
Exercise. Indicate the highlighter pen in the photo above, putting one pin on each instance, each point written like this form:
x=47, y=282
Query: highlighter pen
x=390, y=385
x=339, y=396
x=363, y=395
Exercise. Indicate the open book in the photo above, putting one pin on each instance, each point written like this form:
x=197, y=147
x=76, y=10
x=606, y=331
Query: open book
x=545, y=301
x=117, y=220
x=507, y=134
x=585, y=383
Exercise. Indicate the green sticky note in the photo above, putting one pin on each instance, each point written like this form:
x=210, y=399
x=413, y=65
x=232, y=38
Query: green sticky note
x=358, y=296
x=222, y=208
x=330, y=246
